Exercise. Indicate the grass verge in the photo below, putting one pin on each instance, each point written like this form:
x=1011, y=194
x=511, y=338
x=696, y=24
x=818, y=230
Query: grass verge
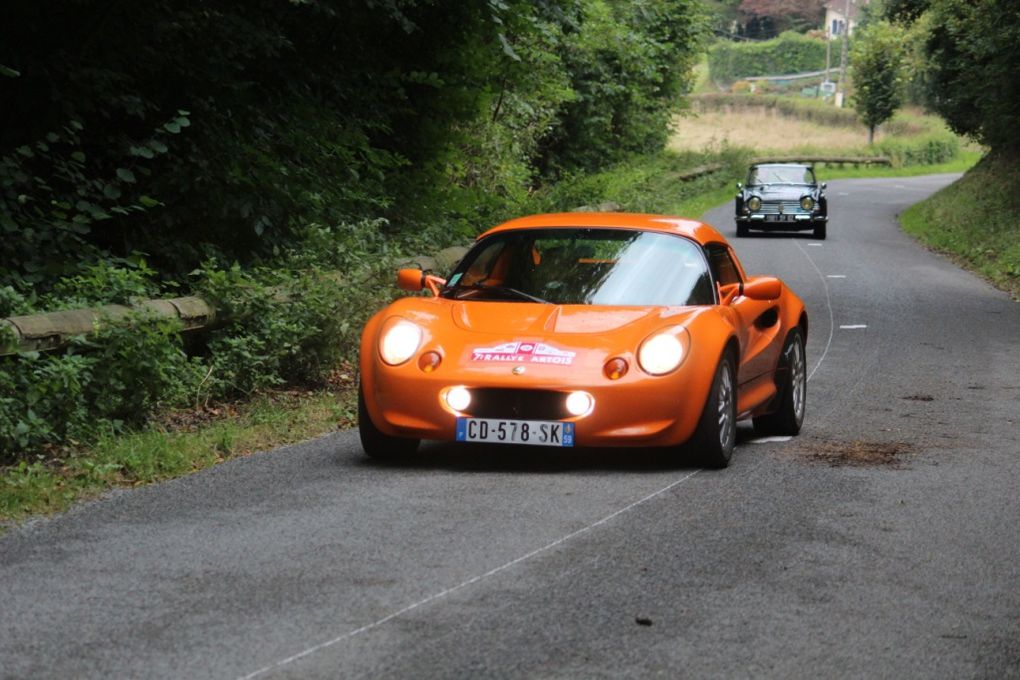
x=974, y=221
x=185, y=442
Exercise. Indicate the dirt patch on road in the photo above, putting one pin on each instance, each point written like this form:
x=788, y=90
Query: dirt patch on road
x=854, y=453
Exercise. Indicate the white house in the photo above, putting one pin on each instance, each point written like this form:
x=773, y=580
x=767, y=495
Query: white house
x=838, y=18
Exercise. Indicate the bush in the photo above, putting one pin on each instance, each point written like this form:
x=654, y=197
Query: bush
x=284, y=328
x=930, y=149
x=789, y=53
x=106, y=382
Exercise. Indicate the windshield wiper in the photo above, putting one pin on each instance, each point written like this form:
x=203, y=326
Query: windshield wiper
x=504, y=290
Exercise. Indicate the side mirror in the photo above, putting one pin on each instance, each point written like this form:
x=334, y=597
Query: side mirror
x=412, y=280
x=739, y=186
x=763, y=288
x=825, y=184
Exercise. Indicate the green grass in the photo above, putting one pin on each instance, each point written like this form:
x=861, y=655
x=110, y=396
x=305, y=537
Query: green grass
x=974, y=221
x=186, y=443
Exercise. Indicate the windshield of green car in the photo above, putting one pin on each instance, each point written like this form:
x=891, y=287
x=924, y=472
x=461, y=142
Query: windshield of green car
x=584, y=266
x=780, y=174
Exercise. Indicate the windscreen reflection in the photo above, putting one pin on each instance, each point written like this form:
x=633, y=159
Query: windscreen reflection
x=616, y=267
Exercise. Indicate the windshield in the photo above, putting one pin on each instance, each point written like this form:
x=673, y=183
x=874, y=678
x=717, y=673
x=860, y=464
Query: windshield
x=584, y=267
x=780, y=174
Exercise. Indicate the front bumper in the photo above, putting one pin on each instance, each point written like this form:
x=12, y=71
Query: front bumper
x=787, y=222
x=635, y=410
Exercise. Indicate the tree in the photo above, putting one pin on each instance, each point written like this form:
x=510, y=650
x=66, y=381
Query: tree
x=973, y=54
x=629, y=62
x=877, y=57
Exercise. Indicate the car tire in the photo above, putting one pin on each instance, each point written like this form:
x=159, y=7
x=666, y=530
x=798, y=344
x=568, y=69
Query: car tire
x=742, y=230
x=378, y=444
x=716, y=434
x=791, y=379
x=820, y=231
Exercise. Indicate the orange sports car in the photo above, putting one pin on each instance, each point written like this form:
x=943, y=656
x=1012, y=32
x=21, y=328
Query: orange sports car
x=586, y=329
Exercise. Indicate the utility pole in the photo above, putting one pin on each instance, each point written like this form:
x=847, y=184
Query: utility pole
x=828, y=56
x=841, y=86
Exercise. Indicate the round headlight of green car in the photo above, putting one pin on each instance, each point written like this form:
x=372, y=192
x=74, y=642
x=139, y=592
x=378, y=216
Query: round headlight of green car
x=807, y=203
x=754, y=203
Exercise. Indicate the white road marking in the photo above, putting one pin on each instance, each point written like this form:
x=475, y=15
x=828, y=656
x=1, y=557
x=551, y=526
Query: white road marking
x=853, y=326
x=828, y=303
x=835, y=276
x=819, y=245
x=769, y=440
x=464, y=584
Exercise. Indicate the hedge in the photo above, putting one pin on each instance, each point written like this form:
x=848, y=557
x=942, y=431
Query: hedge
x=789, y=53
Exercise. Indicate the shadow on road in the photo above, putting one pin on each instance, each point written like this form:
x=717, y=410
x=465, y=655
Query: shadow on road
x=774, y=235
x=491, y=458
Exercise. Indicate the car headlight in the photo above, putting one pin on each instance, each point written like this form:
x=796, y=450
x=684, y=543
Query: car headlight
x=754, y=203
x=807, y=203
x=399, y=341
x=662, y=353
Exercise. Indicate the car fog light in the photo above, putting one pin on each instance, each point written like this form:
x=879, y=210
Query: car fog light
x=429, y=361
x=458, y=398
x=615, y=368
x=807, y=203
x=754, y=203
x=579, y=403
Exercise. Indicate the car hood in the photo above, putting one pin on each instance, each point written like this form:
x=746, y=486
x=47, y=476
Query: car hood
x=499, y=318
x=784, y=192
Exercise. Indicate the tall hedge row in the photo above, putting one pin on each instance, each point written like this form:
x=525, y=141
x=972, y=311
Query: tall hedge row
x=176, y=131
x=789, y=53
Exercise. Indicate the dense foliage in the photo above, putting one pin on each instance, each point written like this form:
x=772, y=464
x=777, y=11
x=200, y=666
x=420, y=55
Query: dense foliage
x=185, y=130
x=285, y=328
x=789, y=53
x=243, y=149
x=877, y=59
x=972, y=48
x=965, y=62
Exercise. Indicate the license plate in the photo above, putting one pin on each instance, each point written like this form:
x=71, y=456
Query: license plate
x=530, y=432
x=777, y=218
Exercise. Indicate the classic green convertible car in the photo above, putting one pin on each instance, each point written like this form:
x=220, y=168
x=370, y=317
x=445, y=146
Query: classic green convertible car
x=781, y=197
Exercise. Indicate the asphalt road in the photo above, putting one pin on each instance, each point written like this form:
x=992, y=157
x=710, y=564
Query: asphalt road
x=881, y=543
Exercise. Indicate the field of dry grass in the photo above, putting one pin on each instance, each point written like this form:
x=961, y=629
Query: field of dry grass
x=764, y=131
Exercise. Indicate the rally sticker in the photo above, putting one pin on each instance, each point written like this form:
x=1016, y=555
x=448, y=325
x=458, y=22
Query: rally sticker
x=524, y=352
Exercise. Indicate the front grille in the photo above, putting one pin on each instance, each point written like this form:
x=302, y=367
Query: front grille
x=498, y=402
x=789, y=208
